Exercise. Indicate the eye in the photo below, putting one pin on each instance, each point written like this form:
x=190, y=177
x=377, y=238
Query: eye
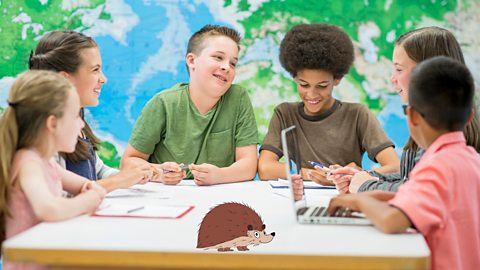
x=233, y=64
x=217, y=57
x=257, y=235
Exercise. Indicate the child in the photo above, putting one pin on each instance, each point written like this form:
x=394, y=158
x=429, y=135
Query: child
x=329, y=131
x=208, y=123
x=41, y=119
x=410, y=49
x=441, y=199
x=77, y=58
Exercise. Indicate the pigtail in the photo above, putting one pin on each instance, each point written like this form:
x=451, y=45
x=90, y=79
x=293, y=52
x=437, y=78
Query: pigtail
x=8, y=141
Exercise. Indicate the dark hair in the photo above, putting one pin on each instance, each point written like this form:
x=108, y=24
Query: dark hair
x=61, y=51
x=317, y=46
x=442, y=90
x=196, y=43
x=427, y=42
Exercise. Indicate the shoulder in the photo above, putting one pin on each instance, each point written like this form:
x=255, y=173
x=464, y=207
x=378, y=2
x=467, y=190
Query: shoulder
x=354, y=107
x=236, y=91
x=24, y=154
x=171, y=93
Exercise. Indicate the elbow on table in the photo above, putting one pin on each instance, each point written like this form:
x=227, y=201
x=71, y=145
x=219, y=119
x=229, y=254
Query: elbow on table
x=392, y=222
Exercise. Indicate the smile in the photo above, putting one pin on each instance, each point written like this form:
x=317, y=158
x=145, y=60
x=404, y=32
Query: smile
x=220, y=77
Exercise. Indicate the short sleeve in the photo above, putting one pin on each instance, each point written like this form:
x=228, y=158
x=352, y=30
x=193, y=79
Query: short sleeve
x=246, y=126
x=423, y=199
x=149, y=127
x=272, y=141
x=372, y=136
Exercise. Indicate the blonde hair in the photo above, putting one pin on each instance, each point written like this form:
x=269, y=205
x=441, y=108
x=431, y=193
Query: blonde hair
x=33, y=97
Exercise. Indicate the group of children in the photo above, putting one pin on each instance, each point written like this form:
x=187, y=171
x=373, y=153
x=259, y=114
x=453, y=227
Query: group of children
x=206, y=130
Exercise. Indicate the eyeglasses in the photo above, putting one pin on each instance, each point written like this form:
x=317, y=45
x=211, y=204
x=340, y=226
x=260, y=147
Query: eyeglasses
x=405, y=106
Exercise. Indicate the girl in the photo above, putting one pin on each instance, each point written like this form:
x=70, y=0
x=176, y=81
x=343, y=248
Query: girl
x=207, y=123
x=42, y=118
x=410, y=49
x=77, y=58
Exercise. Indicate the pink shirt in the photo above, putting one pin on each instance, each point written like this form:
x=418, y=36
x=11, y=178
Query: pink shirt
x=442, y=200
x=22, y=213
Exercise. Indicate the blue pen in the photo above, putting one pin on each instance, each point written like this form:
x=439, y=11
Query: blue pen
x=317, y=164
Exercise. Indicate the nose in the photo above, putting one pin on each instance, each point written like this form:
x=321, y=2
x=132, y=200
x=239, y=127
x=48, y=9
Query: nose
x=103, y=78
x=392, y=78
x=273, y=233
x=225, y=65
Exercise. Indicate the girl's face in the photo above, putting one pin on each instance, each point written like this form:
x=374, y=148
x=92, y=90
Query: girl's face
x=214, y=67
x=89, y=78
x=69, y=126
x=315, y=89
x=403, y=66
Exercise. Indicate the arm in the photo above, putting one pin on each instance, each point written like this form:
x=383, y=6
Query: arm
x=47, y=206
x=269, y=166
x=376, y=208
x=243, y=169
x=388, y=160
x=102, y=170
x=132, y=158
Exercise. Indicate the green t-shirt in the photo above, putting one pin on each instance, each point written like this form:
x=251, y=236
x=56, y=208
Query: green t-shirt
x=170, y=128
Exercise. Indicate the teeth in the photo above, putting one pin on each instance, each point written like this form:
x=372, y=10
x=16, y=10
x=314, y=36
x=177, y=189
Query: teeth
x=220, y=78
x=313, y=102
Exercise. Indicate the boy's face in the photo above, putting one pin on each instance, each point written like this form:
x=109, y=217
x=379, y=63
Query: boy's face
x=315, y=89
x=213, y=69
x=89, y=78
x=403, y=66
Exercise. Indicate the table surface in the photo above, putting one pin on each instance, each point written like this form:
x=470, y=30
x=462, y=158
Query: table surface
x=103, y=242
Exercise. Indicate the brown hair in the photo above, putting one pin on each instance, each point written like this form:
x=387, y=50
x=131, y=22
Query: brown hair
x=61, y=51
x=196, y=43
x=424, y=43
x=34, y=96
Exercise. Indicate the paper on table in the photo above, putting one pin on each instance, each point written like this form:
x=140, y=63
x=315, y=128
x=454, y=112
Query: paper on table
x=140, y=192
x=143, y=211
x=282, y=183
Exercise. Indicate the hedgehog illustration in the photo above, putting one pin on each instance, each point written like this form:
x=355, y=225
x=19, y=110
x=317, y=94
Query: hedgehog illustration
x=232, y=225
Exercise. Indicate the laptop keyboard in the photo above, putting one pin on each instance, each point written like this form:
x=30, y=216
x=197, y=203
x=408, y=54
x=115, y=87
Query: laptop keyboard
x=321, y=211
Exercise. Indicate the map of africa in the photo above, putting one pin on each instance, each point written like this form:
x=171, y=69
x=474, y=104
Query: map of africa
x=143, y=45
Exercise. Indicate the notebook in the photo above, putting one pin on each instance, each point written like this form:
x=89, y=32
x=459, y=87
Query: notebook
x=312, y=214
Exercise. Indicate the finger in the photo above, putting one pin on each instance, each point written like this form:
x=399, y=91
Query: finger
x=344, y=170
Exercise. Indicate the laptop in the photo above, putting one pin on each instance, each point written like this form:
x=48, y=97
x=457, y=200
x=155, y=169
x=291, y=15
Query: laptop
x=312, y=214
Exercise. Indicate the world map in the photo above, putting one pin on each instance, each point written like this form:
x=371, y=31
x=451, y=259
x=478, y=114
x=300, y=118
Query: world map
x=143, y=45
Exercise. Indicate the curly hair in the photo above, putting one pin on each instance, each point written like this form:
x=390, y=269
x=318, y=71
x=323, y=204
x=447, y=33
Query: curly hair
x=317, y=46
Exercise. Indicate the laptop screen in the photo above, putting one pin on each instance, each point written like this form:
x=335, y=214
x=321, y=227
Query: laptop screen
x=290, y=149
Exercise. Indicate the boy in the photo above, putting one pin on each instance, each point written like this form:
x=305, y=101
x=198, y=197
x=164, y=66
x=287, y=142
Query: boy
x=441, y=200
x=328, y=131
x=208, y=123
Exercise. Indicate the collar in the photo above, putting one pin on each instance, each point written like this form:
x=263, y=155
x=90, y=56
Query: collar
x=321, y=116
x=444, y=140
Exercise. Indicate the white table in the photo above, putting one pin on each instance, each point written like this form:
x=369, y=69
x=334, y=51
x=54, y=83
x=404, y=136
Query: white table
x=114, y=243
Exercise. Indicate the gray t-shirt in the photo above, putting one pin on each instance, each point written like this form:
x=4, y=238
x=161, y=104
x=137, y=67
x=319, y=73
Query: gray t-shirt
x=338, y=136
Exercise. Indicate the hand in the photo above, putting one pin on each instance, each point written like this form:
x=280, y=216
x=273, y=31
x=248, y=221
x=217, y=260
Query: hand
x=96, y=193
x=379, y=195
x=341, y=177
x=318, y=175
x=206, y=174
x=358, y=179
x=349, y=201
x=168, y=173
x=140, y=174
x=297, y=186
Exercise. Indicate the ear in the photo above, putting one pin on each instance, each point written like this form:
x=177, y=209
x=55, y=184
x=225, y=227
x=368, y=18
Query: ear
x=51, y=123
x=64, y=74
x=470, y=117
x=249, y=227
x=337, y=81
x=263, y=227
x=413, y=117
x=190, y=59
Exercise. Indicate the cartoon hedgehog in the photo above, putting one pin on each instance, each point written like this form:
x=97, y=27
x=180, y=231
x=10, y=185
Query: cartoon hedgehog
x=232, y=225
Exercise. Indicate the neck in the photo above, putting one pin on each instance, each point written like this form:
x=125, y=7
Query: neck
x=202, y=102
x=44, y=147
x=430, y=135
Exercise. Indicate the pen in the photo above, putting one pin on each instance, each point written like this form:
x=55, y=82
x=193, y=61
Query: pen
x=183, y=167
x=135, y=209
x=317, y=164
